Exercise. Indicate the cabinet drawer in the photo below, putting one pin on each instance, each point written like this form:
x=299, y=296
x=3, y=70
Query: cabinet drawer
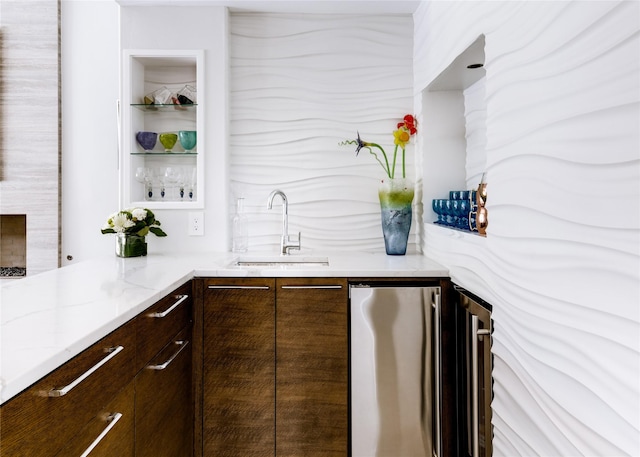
x=42, y=419
x=110, y=433
x=161, y=321
x=164, y=405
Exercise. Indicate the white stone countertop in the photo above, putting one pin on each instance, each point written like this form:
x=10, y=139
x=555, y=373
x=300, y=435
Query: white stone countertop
x=47, y=319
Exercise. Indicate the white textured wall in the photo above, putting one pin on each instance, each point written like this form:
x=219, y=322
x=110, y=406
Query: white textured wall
x=29, y=138
x=299, y=84
x=561, y=260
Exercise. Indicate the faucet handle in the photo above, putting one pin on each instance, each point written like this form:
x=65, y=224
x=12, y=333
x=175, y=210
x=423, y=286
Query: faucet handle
x=292, y=243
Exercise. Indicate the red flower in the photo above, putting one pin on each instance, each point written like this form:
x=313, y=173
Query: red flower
x=409, y=123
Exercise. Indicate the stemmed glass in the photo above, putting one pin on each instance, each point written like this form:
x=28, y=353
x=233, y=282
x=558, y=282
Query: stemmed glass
x=464, y=207
x=455, y=213
x=191, y=182
x=145, y=176
x=438, y=208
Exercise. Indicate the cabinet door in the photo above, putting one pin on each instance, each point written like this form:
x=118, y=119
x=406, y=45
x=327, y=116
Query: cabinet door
x=164, y=405
x=110, y=433
x=312, y=367
x=239, y=362
x=156, y=325
x=42, y=419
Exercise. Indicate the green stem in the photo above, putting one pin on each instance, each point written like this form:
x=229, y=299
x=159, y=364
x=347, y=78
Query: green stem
x=403, y=170
x=395, y=155
x=386, y=160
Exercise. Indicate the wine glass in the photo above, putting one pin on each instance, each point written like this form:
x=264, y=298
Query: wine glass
x=455, y=213
x=464, y=206
x=141, y=174
x=181, y=182
x=150, y=183
x=191, y=182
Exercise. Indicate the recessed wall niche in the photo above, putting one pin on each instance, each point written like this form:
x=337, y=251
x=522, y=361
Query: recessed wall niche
x=453, y=106
x=13, y=245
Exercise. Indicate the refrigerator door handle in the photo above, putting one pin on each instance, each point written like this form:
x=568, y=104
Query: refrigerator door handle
x=437, y=439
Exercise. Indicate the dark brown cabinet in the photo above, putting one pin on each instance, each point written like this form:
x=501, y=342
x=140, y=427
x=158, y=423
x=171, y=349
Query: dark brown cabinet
x=275, y=358
x=311, y=367
x=110, y=433
x=130, y=393
x=164, y=390
x=56, y=410
x=239, y=367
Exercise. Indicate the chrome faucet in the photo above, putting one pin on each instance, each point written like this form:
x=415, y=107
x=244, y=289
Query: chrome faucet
x=286, y=243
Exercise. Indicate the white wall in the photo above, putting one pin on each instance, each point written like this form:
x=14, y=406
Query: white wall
x=192, y=27
x=94, y=32
x=90, y=88
x=300, y=84
x=560, y=263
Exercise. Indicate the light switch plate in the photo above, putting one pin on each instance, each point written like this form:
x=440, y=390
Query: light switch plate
x=196, y=223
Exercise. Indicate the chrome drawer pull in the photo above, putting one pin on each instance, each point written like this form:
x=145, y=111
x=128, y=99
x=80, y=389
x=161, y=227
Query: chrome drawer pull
x=65, y=390
x=182, y=344
x=312, y=287
x=180, y=298
x=241, y=287
x=113, y=419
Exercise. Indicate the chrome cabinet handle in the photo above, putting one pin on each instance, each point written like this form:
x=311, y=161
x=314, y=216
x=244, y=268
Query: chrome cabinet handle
x=474, y=386
x=241, y=287
x=65, y=390
x=113, y=420
x=162, y=366
x=476, y=334
x=180, y=298
x=437, y=371
x=312, y=287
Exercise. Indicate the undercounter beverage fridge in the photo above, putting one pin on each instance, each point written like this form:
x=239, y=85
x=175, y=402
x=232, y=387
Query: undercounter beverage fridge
x=395, y=359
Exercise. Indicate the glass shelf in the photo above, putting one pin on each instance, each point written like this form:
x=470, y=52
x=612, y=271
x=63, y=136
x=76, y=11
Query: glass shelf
x=172, y=154
x=166, y=107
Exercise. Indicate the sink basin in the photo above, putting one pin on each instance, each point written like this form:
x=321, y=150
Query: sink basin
x=277, y=261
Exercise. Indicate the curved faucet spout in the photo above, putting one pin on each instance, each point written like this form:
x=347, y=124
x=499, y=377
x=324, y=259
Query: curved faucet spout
x=285, y=243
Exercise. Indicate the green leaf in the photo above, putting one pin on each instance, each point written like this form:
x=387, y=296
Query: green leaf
x=157, y=231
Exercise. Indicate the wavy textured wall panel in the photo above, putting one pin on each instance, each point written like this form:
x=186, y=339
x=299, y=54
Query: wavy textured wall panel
x=299, y=85
x=561, y=260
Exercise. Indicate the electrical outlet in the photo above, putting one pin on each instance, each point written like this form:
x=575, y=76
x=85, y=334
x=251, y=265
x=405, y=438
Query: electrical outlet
x=196, y=224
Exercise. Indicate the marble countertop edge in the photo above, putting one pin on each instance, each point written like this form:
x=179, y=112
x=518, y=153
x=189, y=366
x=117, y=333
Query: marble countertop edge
x=49, y=318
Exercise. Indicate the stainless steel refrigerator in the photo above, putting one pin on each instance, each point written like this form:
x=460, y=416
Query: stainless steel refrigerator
x=395, y=360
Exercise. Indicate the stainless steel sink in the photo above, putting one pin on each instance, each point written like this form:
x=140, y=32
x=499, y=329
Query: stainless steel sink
x=284, y=260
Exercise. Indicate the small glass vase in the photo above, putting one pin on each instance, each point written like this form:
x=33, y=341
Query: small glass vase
x=396, y=198
x=130, y=245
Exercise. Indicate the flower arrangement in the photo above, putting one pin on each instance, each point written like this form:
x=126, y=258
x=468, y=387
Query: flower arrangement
x=401, y=136
x=134, y=221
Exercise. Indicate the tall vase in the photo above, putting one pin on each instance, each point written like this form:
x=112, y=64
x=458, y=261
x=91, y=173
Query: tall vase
x=396, y=197
x=130, y=245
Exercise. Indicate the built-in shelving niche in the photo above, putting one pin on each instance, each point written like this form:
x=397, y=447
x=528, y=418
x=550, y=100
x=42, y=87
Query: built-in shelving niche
x=454, y=109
